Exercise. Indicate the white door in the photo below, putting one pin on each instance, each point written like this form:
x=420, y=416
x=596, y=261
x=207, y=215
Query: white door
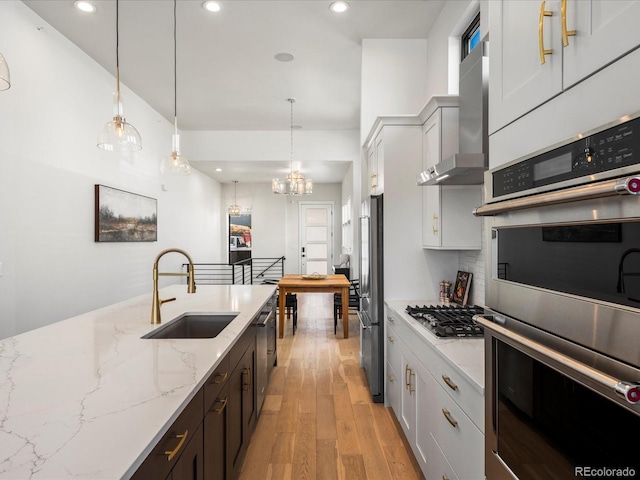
x=316, y=237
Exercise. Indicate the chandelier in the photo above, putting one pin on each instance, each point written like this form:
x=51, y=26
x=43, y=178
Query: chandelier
x=234, y=210
x=294, y=183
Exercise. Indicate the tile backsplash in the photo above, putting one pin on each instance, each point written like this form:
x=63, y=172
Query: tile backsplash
x=474, y=261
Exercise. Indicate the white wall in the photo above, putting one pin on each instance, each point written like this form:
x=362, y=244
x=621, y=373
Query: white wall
x=394, y=77
x=443, y=47
x=49, y=163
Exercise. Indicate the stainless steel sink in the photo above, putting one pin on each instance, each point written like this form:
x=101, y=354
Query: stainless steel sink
x=193, y=325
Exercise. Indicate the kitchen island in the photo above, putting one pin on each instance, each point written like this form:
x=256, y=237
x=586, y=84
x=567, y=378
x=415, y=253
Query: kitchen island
x=88, y=398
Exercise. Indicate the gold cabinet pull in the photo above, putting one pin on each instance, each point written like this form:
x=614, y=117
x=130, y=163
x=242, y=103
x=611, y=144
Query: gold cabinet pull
x=565, y=33
x=172, y=453
x=444, y=477
x=434, y=224
x=408, y=373
x=449, y=382
x=245, y=385
x=223, y=403
x=220, y=378
x=391, y=378
x=391, y=320
x=391, y=339
x=543, y=52
x=447, y=415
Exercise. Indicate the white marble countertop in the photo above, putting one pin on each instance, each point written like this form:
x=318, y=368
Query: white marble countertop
x=88, y=398
x=466, y=355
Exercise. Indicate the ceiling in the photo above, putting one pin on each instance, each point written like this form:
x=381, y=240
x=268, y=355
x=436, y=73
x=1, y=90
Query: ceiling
x=228, y=78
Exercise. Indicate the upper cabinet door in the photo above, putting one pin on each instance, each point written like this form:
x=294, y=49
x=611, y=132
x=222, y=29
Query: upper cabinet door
x=519, y=81
x=604, y=31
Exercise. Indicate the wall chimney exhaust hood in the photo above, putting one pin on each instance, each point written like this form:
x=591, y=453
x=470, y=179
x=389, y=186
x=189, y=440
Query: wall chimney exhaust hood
x=459, y=169
x=468, y=166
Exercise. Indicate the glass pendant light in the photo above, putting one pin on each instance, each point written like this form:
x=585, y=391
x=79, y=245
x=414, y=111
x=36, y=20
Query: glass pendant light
x=5, y=79
x=234, y=210
x=294, y=183
x=117, y=135
x=175, y=163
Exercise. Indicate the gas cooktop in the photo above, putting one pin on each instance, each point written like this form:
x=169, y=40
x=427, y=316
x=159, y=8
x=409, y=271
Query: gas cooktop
x=448, y=320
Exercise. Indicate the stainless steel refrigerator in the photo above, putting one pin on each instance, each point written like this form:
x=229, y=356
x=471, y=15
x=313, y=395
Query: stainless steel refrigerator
x=372, y=299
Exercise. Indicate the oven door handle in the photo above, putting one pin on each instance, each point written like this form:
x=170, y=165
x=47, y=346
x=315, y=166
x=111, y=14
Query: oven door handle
x=623, y=186
x=628, y=390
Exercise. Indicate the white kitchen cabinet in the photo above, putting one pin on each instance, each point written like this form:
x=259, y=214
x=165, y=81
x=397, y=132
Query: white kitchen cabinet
x=440, y=412
x=375, y=165
x=417, y=394
x=393, y=381
x=447, y=221
x=525, y=72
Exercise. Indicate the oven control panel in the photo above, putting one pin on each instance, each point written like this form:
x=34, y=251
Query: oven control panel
x=604, y=151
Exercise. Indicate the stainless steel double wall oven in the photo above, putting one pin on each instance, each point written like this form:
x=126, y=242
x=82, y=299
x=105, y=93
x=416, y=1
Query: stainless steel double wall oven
x=562, y=328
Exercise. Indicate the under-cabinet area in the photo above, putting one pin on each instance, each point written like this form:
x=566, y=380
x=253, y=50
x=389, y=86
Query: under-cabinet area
x=435, y=388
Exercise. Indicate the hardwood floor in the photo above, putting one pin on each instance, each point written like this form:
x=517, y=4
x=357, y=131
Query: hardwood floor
x=318, y=421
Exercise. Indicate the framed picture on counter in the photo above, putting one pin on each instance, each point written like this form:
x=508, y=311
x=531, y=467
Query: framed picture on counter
x=461, y=288
x=124, y=217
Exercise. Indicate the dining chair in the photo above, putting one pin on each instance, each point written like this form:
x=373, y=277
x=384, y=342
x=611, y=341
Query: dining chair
x=290, y=304
x=354, y=302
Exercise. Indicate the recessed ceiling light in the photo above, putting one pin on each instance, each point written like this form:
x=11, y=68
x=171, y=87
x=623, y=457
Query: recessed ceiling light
x=339, y=7
x=284, y=57
x=85, y=6
x=218, y=169
x=212, y=6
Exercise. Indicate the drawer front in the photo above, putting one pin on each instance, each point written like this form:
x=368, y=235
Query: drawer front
x=461, y=442
x=237, y=351
x=215, y=382
x=423, y=352
x=393, y=346
x=459, y=389
x=157, y=464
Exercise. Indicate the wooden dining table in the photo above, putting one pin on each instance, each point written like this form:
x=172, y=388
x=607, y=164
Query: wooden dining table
x=329, y=284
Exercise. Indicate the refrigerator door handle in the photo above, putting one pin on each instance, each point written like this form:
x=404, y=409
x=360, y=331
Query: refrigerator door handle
x=360, y=315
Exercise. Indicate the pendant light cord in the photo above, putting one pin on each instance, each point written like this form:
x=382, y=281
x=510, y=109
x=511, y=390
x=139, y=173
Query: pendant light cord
x=291, y=100
x=117, y=47
x=175, y=63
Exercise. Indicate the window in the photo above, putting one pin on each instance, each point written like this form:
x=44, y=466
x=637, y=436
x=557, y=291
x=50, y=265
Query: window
x=471, y=37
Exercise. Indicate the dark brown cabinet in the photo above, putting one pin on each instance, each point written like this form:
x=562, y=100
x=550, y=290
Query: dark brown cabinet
x=210, y=438
x=230, y=410
x=242, y=410
x=190, y=465
x=216, y=432
x=165, y=456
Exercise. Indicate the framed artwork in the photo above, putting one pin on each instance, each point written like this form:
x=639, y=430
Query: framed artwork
x=461, y=288
x=124, y=217
x=240, y=240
